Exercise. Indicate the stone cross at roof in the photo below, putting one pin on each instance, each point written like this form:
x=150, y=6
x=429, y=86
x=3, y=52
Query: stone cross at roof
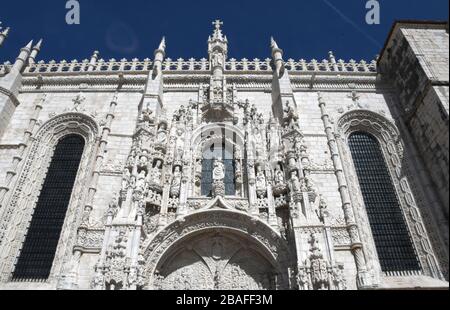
x=217, y=35
x=217, y=23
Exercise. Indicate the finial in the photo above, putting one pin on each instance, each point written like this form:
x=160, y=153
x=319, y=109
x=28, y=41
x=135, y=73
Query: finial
x=162, y=45
x=6, y=31
x=29, y=45
x=38, y=45
x=273, y=43
x=217, y=35
x=3, y=34
x=35, y=51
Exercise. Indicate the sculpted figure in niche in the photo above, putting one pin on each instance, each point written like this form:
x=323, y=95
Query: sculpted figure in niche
x=162, y=134
x=219, y=170
x=147, y=115
x=176, y=183
x=296, y=186
x=131, y=161
x=323, y=212
x=133, y=181
x=289, y=111
x=156, y=172
x=140, y=184
x=238, y=172
x=310, y=185
x=143, y=161
x=319, y=266
x=179, y=147
x=218, y=178
x=261, y=182
x=292, y=162
x=126, y=179
x=217, y=59
x=113, y=208
x=279, y=175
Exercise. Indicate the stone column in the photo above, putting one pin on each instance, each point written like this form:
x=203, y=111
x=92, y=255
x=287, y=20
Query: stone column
x=101, y=154
x=352, y=227
x=17, y=159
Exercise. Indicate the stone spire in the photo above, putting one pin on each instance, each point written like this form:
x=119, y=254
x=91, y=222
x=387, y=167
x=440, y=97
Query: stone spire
x=277, y=56
x=34, y=52
x=273, y=44
x=12, y=82
x=22, y=60
x=282, y=91
x=3, y=34
x=162, y=45
x=152, y=100
x=160, y=54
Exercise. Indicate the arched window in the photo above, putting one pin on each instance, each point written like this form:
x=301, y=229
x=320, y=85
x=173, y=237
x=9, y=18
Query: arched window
x=39, y=249
x=217, y=151
x=392, y=239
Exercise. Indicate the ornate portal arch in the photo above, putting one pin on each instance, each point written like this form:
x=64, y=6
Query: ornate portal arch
x=214, y=246
x=22, y=202
x=388, y=136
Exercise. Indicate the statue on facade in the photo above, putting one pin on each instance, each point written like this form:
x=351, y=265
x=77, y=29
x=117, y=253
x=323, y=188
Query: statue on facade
x=290, y=111
x=126, y=179
x=141, y=182
x=156, y=172
x=113, y=208
x=143, y=160
x=116, y=262
x=218, y=178
x=319, y=266
x=238, y=172
x=131, y=159
x=280, y=187
x=279, y=175
x=323, y=212
x=219, y=170
x=261, y=182
x=176, y=183
x=339, y=281
x=217, y=59
x=179, y=145
x=303, y=279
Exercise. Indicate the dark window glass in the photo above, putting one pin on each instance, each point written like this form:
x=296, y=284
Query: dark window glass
x=208, y=167
x=207, y=170
x=394, y=245
x=38, y=252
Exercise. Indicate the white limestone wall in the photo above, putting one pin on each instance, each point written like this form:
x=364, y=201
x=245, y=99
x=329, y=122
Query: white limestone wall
x=124, y=123
x=431, y=46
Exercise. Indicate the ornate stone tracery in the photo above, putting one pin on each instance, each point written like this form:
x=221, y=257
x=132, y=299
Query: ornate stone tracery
x=392, y=147
x=296, y=217
x=217, y=220
x=23, y=199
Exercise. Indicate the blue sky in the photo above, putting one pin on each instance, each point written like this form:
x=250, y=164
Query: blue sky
x=133, y=28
